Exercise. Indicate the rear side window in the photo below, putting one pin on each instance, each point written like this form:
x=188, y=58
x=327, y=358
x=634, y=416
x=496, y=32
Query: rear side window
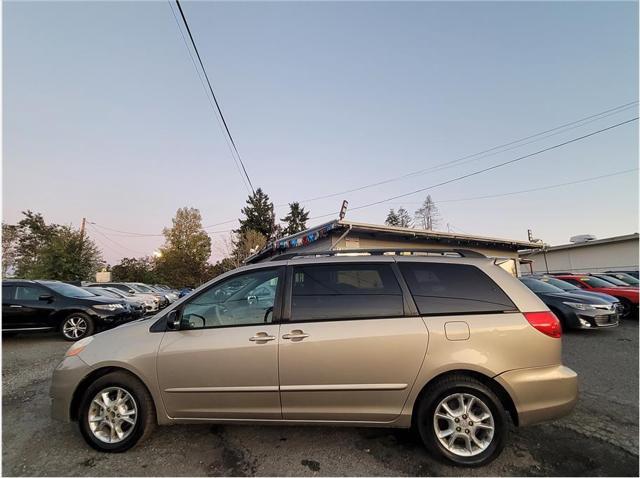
x=28, y=292
x=453, y=289
x=8, y=292
x=345, y=291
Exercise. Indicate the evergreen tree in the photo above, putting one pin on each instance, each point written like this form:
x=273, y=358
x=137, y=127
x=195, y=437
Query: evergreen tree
x=258, y=216
x=296, y=220
x=392, y=218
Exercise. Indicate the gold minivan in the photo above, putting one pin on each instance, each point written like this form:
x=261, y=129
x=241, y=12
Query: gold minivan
x=448, y=343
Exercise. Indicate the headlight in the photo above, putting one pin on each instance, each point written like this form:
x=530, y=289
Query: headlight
x=79, y=346
x=579, y=306
x=110, y=307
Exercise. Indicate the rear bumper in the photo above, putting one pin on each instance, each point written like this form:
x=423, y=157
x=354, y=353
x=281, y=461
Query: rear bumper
x=541, y=393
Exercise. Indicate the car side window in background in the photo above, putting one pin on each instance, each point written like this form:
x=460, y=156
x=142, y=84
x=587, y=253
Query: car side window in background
x=575, y=282
x=8, y=292
x=345, y=291
x=25, y=292
x=245, y=299
x=453, y=289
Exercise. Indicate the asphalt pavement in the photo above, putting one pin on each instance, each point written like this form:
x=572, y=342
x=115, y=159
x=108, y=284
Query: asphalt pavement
x=599, y=438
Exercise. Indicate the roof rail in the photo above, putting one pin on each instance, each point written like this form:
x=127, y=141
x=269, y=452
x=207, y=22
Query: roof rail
x=379, y=252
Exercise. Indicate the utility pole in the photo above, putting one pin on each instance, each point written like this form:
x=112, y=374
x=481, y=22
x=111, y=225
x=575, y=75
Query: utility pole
x=82, y=226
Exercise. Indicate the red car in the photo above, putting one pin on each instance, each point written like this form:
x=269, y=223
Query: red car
x=628, y=296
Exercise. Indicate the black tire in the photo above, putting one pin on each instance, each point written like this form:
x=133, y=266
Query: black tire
x=467, y=385
x=78, y=317
x=145, y=418
x=627, y=308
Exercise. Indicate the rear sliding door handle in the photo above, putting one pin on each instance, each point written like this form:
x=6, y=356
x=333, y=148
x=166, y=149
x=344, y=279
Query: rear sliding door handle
x=295, y=335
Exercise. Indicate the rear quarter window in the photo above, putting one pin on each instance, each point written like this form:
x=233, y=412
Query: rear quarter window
x=443, y=289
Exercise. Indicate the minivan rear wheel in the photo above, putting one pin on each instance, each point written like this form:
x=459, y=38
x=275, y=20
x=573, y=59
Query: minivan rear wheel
x=116, y=412
x=462, y=421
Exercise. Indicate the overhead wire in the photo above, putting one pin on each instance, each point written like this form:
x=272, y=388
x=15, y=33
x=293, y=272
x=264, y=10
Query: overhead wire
x=215, y=99
x=490, y=168
x=481, y=154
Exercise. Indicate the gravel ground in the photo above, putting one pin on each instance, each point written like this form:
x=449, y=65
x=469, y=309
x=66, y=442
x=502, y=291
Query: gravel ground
x=599, y=438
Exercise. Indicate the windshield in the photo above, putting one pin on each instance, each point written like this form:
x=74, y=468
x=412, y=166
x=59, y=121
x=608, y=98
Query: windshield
x=596, y=282
x=614, y=281
x=138, y=288
x=560, y=284
x=630, y=280
x=142, y=288
x=68, y=290
x=541, y=287
x=106, y=293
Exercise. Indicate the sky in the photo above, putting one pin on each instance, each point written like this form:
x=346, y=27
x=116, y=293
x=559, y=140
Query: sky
x=104, y=115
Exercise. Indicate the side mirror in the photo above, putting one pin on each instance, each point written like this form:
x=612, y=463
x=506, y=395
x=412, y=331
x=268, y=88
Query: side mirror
x=173, y=320
x=46, y=297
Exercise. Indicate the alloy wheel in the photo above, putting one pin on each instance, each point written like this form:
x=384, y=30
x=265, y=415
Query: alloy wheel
x=112, y=415
x=75, y=327
x=463, y=424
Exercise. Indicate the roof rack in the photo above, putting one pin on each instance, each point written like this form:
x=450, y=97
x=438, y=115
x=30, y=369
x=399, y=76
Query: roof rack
x=380, y=252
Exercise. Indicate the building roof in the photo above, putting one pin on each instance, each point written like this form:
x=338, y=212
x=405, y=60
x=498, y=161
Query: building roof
x=447, y=238
x=594, y=242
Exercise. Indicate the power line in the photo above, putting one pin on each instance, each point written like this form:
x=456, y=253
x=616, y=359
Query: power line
x=523, y=191
x=206, y=92
x=224, y=122
x=480, y=171
x=494, y=150
x=114, y=242
x=499, y=165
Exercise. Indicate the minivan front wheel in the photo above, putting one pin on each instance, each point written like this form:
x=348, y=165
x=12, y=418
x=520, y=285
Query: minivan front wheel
x=116, y=412
x=463, y=421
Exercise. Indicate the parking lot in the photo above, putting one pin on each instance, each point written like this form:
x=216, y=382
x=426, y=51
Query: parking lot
x=599, y=438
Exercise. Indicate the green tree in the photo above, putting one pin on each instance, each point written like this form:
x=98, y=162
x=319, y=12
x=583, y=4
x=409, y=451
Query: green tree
x=296, y=220
x=135, y=270
x=33, y=236
x=184, y=256
x=67, y=256
x=392, y=218
x=258, y=216
x=9, y=244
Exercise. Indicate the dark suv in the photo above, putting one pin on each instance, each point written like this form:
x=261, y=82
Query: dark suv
x=51, y=305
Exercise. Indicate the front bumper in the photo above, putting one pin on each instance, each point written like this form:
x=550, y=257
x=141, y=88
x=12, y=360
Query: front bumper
x=541, y=393
x=593, y=318
x=66, y=377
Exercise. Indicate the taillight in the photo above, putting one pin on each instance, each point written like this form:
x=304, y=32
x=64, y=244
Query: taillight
x=545, y=322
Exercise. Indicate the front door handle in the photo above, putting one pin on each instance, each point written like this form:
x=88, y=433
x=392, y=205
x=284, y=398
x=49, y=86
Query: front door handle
x=262, y=337
x=16, y=306
x=295, y=335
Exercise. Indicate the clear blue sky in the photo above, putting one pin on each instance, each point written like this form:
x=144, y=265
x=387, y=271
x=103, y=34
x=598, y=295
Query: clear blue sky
x=104, y=116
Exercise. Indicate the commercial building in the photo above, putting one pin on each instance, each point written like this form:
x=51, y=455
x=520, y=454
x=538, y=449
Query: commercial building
x=349, y=235
x=596, y=255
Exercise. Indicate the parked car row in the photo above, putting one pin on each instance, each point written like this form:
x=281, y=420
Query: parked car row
x=587, y=300
x=78, y=312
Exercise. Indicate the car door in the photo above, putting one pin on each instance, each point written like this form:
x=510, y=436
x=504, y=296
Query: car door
x=30, y=311
x=351, y=348
x=223, y=362
x=10, y=309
